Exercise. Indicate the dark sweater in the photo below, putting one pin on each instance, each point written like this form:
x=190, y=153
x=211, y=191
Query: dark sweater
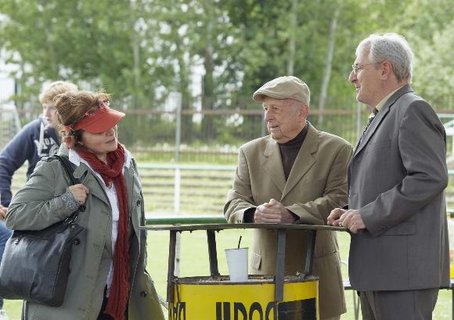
x=27, y=145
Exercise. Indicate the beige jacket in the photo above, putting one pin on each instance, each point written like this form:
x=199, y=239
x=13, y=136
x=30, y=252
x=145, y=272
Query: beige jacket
x=317, y=183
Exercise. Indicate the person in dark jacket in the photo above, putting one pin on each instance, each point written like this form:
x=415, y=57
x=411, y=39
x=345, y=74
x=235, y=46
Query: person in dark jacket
x=36, y=140
x=399, y=249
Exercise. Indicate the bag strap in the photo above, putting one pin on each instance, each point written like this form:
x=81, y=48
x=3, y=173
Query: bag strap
x=70, y=172
x=68, y=168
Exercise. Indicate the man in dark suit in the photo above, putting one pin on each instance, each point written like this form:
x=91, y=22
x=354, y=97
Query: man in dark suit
x=295, y=174
x=396, y=211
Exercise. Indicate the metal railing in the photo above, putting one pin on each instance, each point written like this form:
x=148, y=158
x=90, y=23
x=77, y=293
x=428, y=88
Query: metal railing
x=192, y=219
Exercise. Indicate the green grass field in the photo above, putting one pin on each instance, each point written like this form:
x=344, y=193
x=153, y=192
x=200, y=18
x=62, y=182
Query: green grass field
x=194, y=262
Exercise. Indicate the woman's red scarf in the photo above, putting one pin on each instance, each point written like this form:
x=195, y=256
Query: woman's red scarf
x=113, y=172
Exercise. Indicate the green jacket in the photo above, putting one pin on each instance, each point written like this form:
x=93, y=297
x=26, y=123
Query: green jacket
x=39, y=204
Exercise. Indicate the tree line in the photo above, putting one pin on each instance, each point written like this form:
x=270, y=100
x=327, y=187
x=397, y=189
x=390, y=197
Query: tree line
x=215, y=53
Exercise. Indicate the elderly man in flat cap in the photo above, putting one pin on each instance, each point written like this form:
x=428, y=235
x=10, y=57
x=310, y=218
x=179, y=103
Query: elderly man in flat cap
x=296, y=174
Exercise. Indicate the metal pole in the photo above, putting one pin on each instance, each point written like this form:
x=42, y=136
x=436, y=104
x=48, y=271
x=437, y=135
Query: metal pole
x=177, y=191
x=280, y=266
x=212, y=253
x=176, y=97
x=171, y=267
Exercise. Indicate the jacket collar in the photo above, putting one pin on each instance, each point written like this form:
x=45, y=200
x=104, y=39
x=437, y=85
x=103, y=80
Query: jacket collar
x=272, y=162
x=76, y=159
x=362, y=142
x=93, y=181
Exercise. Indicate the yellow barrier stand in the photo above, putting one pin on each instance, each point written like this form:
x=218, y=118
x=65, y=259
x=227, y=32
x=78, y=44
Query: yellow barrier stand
x=214, y=297
x=220, y=299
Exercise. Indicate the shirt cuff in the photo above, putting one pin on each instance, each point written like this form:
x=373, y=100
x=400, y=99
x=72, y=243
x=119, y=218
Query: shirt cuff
x=69, y=201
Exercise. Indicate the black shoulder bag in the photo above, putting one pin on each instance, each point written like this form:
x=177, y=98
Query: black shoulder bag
x=35, y=264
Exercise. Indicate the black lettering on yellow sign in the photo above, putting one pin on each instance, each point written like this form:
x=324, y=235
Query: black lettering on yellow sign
x=288, y=310
x=239, y=311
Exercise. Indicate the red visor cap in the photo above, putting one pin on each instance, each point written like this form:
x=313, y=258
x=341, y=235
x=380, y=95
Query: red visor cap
x=100, y=121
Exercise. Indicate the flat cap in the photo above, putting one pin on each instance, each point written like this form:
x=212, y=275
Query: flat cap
x=286, y=87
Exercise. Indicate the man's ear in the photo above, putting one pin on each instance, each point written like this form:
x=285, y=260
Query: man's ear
x=304, y=111
x=386, y=70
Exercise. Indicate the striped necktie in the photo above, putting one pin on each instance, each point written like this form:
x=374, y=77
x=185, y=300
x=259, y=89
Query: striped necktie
x=369, y=121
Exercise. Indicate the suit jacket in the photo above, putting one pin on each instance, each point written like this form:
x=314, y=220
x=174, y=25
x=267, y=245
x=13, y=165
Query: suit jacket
x=39, y=204
x=317, y=183
x=396, y=180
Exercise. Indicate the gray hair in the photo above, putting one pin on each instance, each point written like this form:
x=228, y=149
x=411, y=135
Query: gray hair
x=393, y=48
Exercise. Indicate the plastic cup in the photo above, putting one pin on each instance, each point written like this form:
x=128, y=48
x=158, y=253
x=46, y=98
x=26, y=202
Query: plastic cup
x=237, y=262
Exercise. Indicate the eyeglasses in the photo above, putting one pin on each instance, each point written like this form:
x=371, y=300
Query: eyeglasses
x=356, y=67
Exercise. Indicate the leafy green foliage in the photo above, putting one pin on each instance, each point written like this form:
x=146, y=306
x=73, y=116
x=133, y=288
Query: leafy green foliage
x=215, y=53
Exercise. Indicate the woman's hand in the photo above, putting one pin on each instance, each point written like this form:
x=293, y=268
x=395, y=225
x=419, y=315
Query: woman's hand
x=79, y=192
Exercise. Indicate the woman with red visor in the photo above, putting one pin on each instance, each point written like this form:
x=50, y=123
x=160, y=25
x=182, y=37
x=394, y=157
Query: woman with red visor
x=108, y=278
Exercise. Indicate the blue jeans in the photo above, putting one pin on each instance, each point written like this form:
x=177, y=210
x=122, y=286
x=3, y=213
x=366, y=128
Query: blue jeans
x=5, y=233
